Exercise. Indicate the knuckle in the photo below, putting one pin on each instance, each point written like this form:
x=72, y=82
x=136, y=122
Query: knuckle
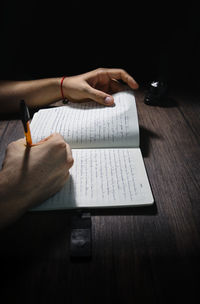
x=67, y=146
x=70, y=161
x=123, y=72
x=57, y=136
x=101, y=70
x=58, y=141
x=61, y=145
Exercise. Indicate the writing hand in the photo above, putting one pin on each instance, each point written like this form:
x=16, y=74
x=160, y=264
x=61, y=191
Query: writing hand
x=31, y=175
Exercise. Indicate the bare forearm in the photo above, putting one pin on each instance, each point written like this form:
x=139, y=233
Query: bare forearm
x=35, y=92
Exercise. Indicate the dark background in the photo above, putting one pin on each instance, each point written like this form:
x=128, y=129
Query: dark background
x=149, y=40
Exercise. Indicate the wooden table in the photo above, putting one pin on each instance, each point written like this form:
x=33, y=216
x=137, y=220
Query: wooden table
x=147, y=255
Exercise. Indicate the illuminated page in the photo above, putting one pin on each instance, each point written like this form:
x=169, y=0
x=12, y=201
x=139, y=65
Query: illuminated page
x=90, y=125
x=103, y=178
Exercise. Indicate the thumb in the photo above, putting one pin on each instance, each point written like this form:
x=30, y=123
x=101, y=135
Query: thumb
x=100, y=96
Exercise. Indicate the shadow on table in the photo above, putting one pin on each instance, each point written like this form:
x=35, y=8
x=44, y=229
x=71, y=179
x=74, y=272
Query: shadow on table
x=129, y=211
x=145, y=137
x=46, y=229
x=35, y=234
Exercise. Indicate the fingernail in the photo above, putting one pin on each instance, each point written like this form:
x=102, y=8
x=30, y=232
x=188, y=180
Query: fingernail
x=108, y=100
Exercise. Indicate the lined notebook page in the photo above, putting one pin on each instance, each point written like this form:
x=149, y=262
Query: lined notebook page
x=89, y=125
x=103, y=178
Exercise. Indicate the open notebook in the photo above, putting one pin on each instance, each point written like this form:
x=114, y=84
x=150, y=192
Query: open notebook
x=108, y=168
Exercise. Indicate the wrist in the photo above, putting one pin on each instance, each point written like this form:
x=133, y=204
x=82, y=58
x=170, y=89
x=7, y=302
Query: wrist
x=12, y=194
x=56, y=85
x=11, y=207
x=62, y=89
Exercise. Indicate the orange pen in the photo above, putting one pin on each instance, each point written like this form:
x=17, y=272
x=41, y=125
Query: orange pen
x=25, y=117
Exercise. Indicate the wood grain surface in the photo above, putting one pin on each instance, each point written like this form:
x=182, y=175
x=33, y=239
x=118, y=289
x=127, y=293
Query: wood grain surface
x=139, y=255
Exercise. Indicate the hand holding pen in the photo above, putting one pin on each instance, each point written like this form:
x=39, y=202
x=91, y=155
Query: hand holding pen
x=25, y=117
x=29, y=176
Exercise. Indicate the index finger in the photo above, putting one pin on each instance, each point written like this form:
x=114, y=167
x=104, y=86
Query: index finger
x=42, y=141
x=123, y=75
